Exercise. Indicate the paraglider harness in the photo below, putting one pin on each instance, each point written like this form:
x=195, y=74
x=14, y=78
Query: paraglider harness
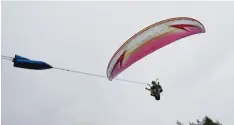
x=155, y=89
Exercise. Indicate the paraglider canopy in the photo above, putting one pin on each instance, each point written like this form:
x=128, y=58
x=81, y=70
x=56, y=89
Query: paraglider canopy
x=149, y=40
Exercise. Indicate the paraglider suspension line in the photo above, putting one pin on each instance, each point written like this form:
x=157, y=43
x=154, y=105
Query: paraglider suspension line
x=96, y=75
x=7, y=58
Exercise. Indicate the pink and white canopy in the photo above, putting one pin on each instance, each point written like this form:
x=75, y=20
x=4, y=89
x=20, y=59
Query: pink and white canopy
x=151, y=39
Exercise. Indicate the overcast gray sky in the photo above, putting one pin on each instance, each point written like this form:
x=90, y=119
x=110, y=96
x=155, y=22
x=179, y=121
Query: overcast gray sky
x=196, y=72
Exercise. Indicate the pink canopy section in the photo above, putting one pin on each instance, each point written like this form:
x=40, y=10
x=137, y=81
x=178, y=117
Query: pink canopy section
x=151, y=39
